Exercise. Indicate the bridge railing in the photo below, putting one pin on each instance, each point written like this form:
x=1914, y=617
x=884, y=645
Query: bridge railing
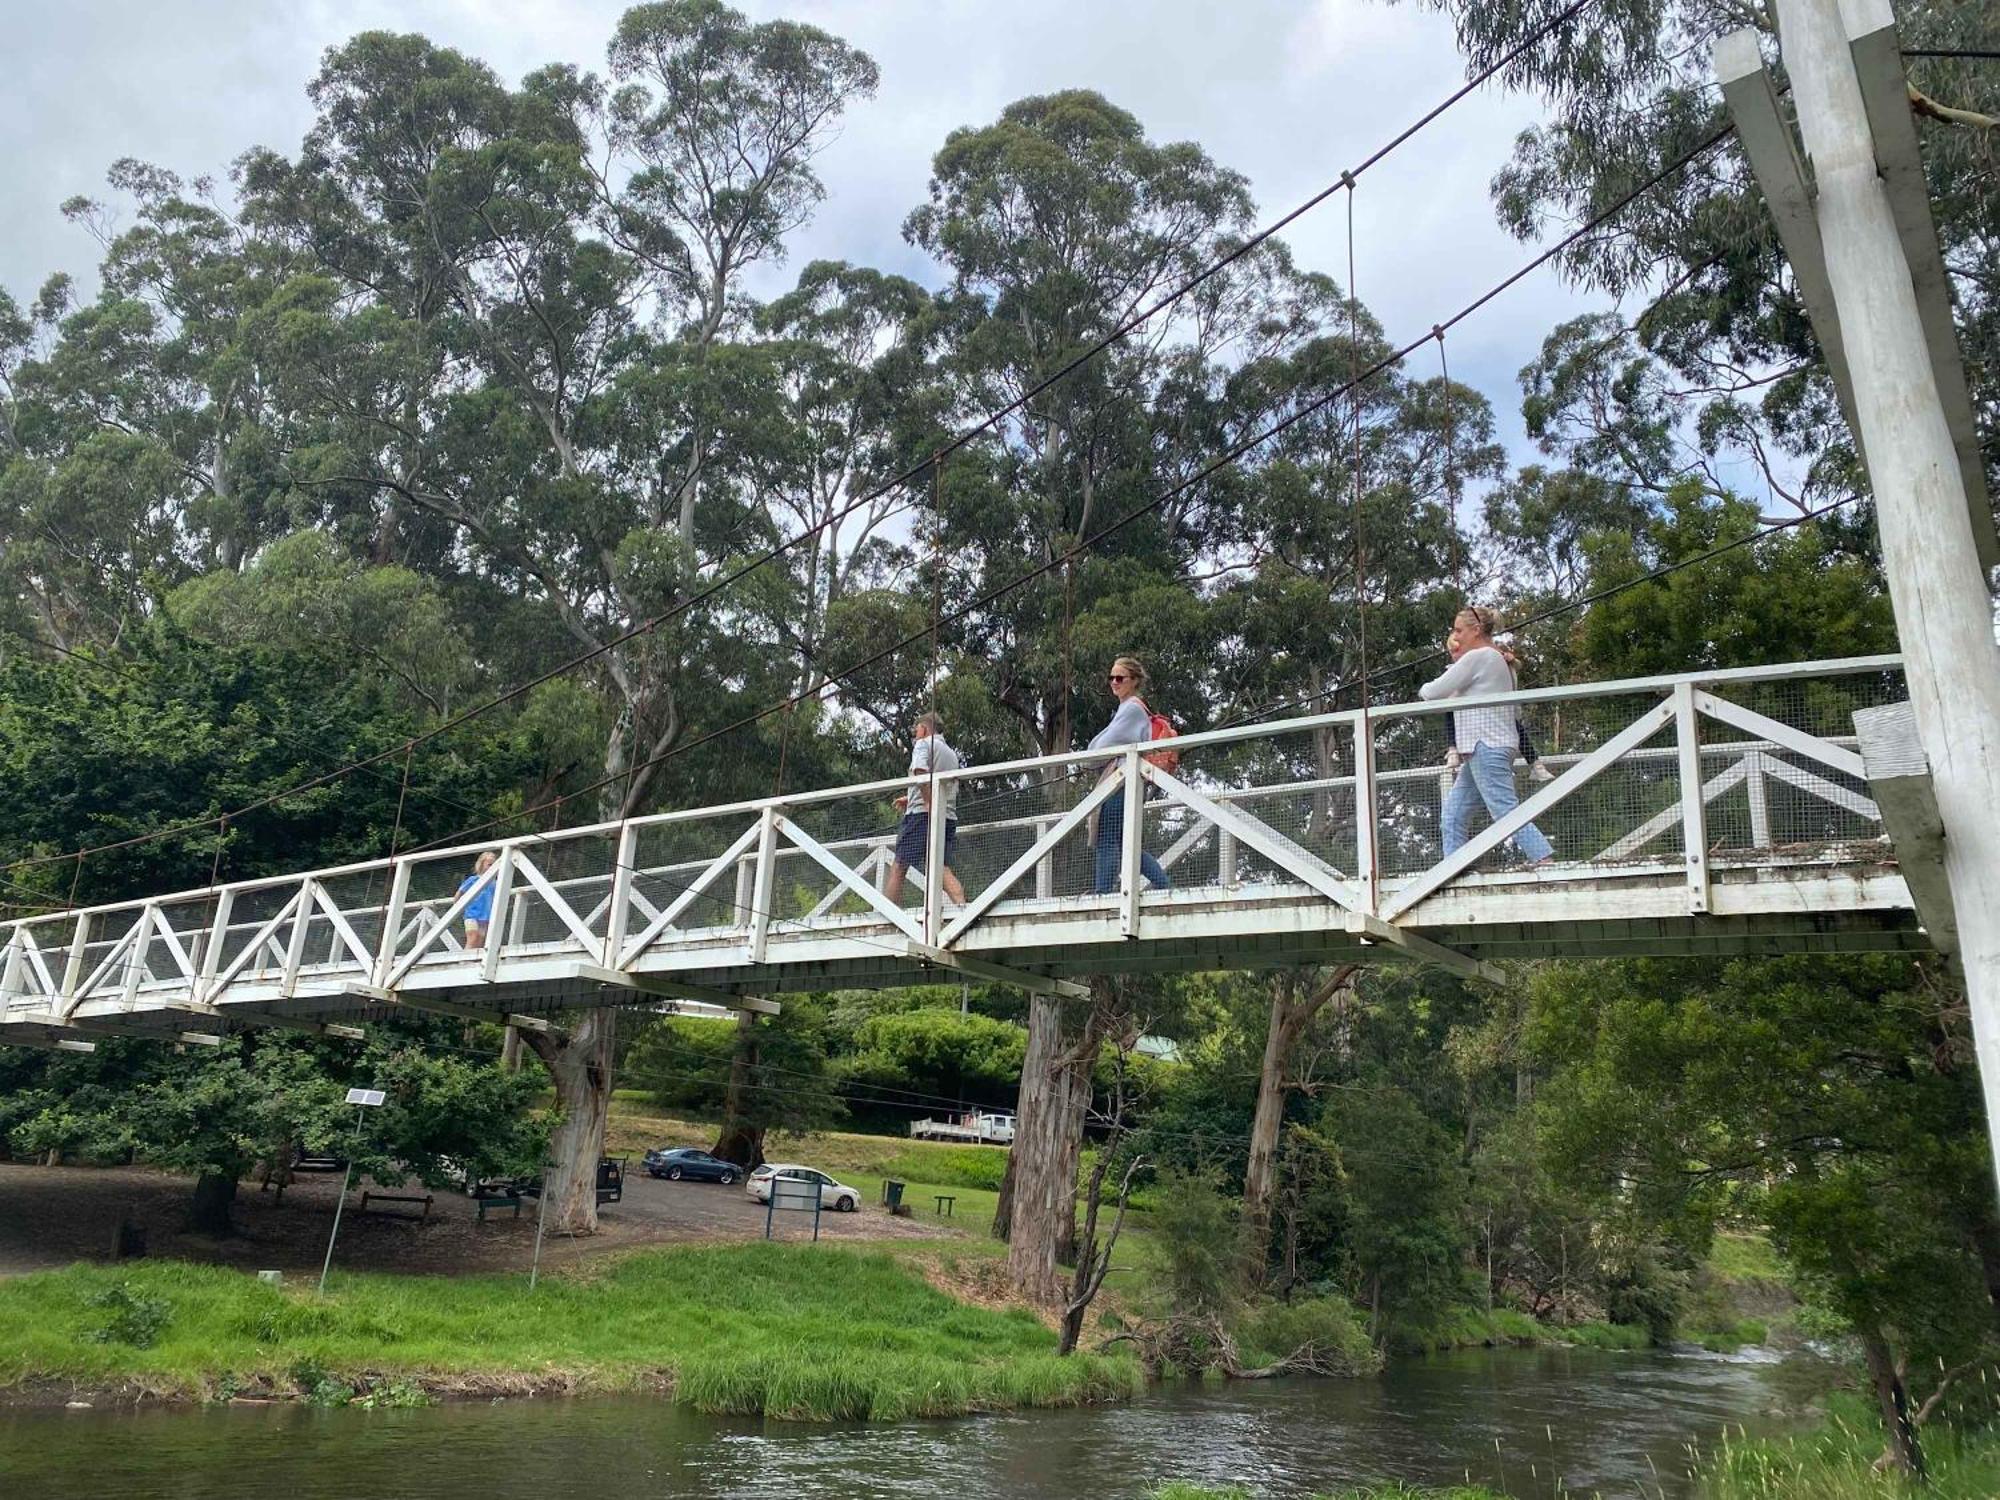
x=1679, y=777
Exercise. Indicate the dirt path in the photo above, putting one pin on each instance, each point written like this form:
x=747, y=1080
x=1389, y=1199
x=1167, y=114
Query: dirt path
x=51, y=1216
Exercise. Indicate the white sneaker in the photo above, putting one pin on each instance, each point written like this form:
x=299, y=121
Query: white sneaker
x=1540, y=772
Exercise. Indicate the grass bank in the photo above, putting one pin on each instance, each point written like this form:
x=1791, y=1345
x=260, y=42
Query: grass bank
x=1472, y=1327
x=1836, y=1462
x=797, y=1331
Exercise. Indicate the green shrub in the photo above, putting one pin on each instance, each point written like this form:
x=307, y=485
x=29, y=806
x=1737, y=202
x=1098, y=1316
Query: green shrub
x=129, y=1317
x=1328, y=1328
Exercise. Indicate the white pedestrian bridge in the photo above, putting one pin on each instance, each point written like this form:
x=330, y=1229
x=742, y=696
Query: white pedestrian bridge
x=1725, y=812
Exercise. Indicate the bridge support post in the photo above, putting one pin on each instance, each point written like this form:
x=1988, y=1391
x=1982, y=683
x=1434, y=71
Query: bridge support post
x=1930, y=546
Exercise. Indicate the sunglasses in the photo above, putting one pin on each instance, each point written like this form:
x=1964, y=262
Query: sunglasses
x=1119, y=677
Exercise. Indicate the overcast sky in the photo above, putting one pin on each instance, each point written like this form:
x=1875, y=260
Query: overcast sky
x=1288, y=92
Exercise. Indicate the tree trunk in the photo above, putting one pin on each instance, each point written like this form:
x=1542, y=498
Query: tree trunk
x=1986, y=1241
x=1048, y=1138
x=1260, y=1168
x=510, y=1049
x=742, y=1139
x=1040, y=1193
x=1289, y=1019
x=1003, y=1211
x=580, y=1065
x=208, y=1209
x=1904, y=1452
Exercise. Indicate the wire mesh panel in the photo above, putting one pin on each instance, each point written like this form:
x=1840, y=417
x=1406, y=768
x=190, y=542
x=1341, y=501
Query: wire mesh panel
x=1287, y=801
x=831, y=853
x=36, y=957
x=252, y=948
x=1424, y=802
x=1003, y=818
x=560, y=896
x=699, y=874
x=1778, y=797
x=427, y=930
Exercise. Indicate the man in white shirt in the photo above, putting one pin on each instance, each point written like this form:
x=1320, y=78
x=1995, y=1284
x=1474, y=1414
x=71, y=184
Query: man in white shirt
x=930, y=757
x=1484, y=737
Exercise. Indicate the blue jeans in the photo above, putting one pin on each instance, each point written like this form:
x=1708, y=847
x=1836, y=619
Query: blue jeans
x=1488, y=776
x=1110, y=850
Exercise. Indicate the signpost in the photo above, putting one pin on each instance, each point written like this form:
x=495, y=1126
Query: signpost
x=363, y=1100
x=790, y=1195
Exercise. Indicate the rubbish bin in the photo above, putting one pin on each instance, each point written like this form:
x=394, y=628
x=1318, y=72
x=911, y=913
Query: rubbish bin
x=892, y=1194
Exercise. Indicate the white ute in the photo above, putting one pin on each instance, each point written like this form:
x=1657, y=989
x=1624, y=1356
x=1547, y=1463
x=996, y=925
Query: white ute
x=994, y=1129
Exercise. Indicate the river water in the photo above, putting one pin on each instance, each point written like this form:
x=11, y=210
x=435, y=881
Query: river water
x=1516, y=1419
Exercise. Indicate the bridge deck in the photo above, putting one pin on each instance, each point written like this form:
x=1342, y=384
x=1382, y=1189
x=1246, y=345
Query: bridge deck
x=1713, y=813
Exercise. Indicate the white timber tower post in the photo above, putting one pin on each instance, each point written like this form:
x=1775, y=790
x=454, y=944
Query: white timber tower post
x=1932, y=544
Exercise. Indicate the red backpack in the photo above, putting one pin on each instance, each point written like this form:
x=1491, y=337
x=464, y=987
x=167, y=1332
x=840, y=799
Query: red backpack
x=1162, y=729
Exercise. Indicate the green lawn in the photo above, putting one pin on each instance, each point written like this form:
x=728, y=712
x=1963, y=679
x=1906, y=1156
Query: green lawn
x=800, y=1331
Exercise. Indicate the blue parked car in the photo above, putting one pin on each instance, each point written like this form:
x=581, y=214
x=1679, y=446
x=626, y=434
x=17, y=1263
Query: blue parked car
x=686, y=1161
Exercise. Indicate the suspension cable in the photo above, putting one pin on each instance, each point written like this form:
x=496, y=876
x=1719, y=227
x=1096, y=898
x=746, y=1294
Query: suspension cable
x=1228, y=457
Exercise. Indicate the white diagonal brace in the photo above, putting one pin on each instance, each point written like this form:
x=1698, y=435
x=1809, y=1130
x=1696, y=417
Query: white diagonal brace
x=1185, y=845
x=1780, y=734
x=449, y=915
x=31, y=955
x=867, y=866
x=1291, y=857
x=1427, y=950
x=1064, y=826
x=257, y=941
x=164, y=931
x=349, y=938
x=118, y=950
x=1826, y=791
x=525, y=867
x=1666, y=817
x=1021, y=979
x=847, y=876
x=690, y=893
x=1500, y=830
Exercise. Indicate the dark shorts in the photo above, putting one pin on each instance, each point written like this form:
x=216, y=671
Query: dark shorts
x=911, y=836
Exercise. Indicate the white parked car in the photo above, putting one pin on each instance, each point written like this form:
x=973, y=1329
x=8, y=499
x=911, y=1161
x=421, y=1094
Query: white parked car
x=837, y=1196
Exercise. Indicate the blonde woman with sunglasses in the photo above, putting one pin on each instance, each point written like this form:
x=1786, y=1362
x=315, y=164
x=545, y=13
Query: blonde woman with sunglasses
x=1131, y=724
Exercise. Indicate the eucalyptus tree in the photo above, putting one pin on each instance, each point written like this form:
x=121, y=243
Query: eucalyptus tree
x=545, y=284
x=1720, y=347
x=1056, y=223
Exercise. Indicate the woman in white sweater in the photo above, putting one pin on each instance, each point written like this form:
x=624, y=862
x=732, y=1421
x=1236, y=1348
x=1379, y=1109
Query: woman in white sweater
x=1483, y=737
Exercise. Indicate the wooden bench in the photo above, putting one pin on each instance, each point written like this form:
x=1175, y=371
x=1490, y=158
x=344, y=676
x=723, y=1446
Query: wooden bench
x=945, y=1201
x=419, y=1198
x=497, y=1200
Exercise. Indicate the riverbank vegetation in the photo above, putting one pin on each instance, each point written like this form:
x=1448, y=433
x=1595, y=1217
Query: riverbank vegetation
x=811, y=1332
